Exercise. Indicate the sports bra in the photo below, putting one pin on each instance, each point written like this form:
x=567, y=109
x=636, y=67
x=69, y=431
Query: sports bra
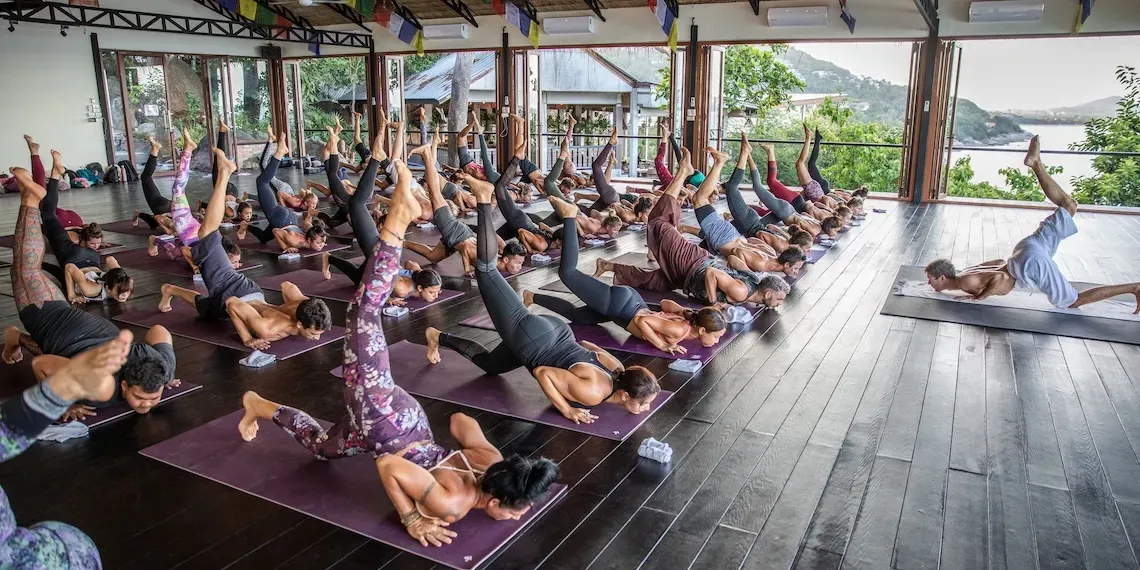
x=93, y=277
x=593, y=360
x=442, y=465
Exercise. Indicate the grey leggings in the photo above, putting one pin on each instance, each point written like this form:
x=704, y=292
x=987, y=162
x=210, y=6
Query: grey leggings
x=607, y=194
x=781, y=208
x=744, y=218
x=604, y=303
x=465, y=157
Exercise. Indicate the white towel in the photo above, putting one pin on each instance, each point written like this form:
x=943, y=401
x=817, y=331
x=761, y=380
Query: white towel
x=395, y=311
x=63, y=432
x=737, y=314
x=289, y=256
x=686, y=365
x=540, y=258
x=257, y=359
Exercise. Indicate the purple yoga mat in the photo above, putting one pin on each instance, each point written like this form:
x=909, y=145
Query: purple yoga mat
x=139, y=259
x=452, y=266
x=339, y=288
x=344, y=492
x=815, y=253
x=125, y=227
x=515, y=394
x=250, y=243
x=480, y=321
x=183, y=321
x=613, y=338
x=122, y=409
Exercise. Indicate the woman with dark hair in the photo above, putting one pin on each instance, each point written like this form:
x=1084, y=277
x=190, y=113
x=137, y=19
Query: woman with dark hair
x=94, y=284
x=382, y=419
x=623, y=305
x=574, y=376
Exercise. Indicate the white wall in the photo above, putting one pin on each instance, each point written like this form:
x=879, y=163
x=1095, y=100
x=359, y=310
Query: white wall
x=48, y=80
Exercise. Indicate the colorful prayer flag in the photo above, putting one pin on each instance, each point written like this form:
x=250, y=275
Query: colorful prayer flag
x=1083, y=14
x=247, y=9
x=846, y=16
x=401, y=28
x=667, y=19
x=519, y=19
x=315, y=48
x=231, y=5
x=367, y=8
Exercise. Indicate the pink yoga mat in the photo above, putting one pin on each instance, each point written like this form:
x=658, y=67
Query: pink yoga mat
x=183, y=321
x=139, y=259
x=343, y=492
x=339, y=288
x=122, y=409
x=514, y=394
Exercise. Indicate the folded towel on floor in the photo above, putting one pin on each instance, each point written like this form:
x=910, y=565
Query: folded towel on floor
x=737, y=314
x=540, y=258
x=289, y=256
x=257, y=359
x=395, y=311
x=685, y=365
x=63, y=432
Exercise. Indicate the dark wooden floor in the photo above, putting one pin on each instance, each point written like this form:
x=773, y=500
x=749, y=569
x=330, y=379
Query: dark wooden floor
x=829, y=436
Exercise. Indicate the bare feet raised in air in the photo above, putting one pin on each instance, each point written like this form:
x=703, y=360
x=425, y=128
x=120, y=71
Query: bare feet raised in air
x=717, y=155
x=807, y=132
x=613, y=137
x=222, y=126
x=57, y=167
x=565, y=209
x=225, y=165
x=745, y=146
x=90, y=375
x=155, y=146
x=188, y=144
x=33, y=146
x=484, y=191
x=30, y=193
x=1033, y=157
x=685, y=166
x=282, y=146
x=431, y=335
x=571, y=121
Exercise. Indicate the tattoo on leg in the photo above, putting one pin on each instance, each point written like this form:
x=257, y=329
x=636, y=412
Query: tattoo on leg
x=29, y=284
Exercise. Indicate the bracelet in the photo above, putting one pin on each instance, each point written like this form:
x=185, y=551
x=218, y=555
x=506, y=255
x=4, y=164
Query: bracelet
x=410, y=517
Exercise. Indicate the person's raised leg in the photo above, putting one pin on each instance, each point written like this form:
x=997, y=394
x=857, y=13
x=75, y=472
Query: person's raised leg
x=1049, y=186
x=743, y=217
x=56, y=236
x=801, y=163
x=158, y=203
x=185, y=226
x=216, y=210
x=813, y=169
x=39, y=175
x=485, y=155
x=170, y=292
x=332, y=168
x=607, y=194
x=708, y=186
x=1096, y=294
x=223, y=143
x=30, y=285
x=361, y=219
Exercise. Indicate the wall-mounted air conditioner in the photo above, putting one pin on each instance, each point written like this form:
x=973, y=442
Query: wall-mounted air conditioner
x=571, y=25
x=809, y=17
x=445, y=31
x=1006, y=11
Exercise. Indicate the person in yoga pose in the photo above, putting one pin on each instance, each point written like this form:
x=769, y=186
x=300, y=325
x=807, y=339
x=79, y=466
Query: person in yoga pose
x=283, y=224
x=688, y=266
x=721, y=237
x=159, y=216
x=88, y=284
x=1031, y=265
x=488, y=172
x=789, y=206
x=69, y=219
x=429, y=487
x=574, y=376
x=552, y=184
x=607, y=194
x=89, y=375
x=623, y=305
x=660, y=163
x=56, y=331
x=231, y=294
x=466, y=161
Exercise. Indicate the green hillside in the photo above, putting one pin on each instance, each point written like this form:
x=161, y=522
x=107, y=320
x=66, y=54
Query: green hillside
x=886, y=102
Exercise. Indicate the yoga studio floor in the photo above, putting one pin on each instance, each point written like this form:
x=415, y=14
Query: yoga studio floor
x=828, y=435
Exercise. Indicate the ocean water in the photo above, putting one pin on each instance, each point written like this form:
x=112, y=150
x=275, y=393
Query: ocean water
x=1053, y=137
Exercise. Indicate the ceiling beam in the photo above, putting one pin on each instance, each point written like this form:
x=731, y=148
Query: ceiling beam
x=755, y=6
x=929, y=11
x=461, y=9
x=349, y=14
x=596, y=7
x=217, y=8
x=53, y=13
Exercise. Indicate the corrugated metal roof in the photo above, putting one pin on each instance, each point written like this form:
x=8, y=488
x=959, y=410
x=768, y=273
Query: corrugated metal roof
x=433, y=85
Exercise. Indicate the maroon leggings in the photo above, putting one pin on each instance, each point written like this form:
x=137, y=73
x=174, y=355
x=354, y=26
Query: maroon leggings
x=67, y=218
x=777, y=188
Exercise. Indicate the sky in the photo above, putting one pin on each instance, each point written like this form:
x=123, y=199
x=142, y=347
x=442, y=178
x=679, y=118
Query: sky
x=1006, y=74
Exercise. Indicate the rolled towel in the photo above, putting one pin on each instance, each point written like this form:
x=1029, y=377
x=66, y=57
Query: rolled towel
x=62, y=432
x=686, y=365
x=656, y=450
x=540, y=258
x=289, y=256
x=395, y=311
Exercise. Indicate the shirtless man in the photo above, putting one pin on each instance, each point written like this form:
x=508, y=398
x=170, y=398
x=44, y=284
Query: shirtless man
x=234, y=296
x=1031, y=266
x=721, y=237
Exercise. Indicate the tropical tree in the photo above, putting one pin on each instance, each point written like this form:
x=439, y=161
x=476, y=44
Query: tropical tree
x=755, y=80
x=1117, y=182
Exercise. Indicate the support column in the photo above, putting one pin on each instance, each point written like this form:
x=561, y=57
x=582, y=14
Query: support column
x=104, y=99
x=619, y=124
x=372, y=82
x=634, y=143
x=505, y=69
x=924, y=147
x=692, y=60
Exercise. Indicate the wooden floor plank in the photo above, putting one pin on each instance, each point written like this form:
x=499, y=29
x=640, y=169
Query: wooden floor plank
x=1055, y=524
x=965, y=543
x=968, y=445
x=1043, y=456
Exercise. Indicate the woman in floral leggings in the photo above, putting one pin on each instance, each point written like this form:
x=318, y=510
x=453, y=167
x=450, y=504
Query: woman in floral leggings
x=381, y=418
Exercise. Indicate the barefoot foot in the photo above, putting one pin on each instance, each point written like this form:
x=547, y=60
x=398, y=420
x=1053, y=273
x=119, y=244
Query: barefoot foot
x=325, y=266
x=33, y=146
x=30, y=193
x=167, y=295
x=90, y=375
x=1033, y=157
x=527, y=297
x=432, y=337
x=247, y=427
x=564, y=208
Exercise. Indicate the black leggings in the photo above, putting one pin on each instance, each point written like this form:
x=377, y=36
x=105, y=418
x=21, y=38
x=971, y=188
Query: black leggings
x=550, y=183
x=516, y=218
x=157, y=203
x=744, y=218
x=607, y=194
x=277, y=215
x=604, y=303
x=65, y=250
x=223, y=143
x=813, y=171
x=363, y=226
x=527, y=339
x=485, y=157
